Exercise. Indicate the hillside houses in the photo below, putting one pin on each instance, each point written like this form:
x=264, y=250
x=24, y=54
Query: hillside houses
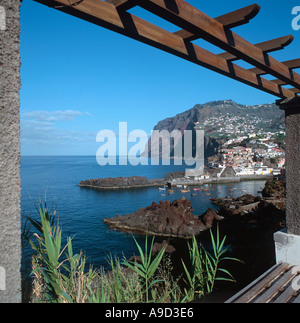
x=248, y=161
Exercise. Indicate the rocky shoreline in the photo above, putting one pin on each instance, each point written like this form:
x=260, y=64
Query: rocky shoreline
x=248, y=222
x=171, y=219
x=176, y=219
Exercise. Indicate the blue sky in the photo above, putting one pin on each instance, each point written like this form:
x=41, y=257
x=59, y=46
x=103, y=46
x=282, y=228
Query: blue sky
x=78, y=78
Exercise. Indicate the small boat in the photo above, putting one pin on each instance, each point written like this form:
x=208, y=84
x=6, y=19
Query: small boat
x=205, y=189
x=163, y=195
x=162, y=188
x=185, y=191
x=196, y=189
x=207, y=194
x=193, y=194
x=170, y=191
x=212, y=199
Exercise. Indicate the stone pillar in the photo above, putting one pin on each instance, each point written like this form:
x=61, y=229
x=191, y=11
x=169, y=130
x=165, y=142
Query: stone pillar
x=292, y=128
x=287, y=242
x=10, y=184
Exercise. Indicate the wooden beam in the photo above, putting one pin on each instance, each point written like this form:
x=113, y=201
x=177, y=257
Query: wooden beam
x=193, y=20
x=229, y=20
x=123, y=4
x=294, y=90
x=278, y=82
x=291, y=64
x=239, y=17
x=266, y=47
x=103, y=14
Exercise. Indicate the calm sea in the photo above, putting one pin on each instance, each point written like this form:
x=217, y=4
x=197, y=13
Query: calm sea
x=81, y=211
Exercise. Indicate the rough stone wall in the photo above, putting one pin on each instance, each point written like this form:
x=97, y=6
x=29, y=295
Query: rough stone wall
x=10, y=184
x=292, y=128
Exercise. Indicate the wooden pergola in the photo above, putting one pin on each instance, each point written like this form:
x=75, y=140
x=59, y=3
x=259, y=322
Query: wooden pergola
x=194, y=24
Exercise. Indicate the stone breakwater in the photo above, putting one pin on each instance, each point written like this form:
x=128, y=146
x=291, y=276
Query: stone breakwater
x=121, y=182
x=172, y=179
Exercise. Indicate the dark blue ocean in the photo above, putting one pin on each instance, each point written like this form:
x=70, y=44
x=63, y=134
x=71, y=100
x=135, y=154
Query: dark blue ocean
x=81, y=211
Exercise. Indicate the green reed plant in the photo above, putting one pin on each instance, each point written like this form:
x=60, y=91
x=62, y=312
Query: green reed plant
x=60, y=280
x=205, y=267
x=62, y=276
x=147, y=268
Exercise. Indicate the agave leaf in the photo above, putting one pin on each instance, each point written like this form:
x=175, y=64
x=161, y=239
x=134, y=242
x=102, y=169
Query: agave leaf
x=221, y=245
x=51, y=251
x=218, y=238
x=187, y=273
x=137, y=268
x=67, y=296
x=226, y=272
x=213, y=243
x=232, y=258
x=225, y=279
x=156, y=261
x=140, y=250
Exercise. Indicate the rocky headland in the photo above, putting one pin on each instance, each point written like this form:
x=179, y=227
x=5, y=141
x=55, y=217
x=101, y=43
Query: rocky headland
x=172, y=219
x=176, y=219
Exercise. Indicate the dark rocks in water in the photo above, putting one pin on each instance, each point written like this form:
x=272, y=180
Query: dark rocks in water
x=158, y=246
x=236, y=206
x=209, y=216
x=121, y=182
x=173, y=219
x=274, y=188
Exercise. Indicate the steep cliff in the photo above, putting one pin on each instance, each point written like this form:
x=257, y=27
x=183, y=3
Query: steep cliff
x=213, y=115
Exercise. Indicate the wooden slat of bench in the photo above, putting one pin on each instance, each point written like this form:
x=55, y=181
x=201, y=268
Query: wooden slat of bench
x=297, y=299
x=286, y=295
x=291, y=291
x=245, y=289
x=262, y=283
x=278, y=286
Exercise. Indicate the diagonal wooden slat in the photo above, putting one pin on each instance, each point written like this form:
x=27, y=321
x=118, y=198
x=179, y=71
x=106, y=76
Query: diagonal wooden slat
x=229, y=20
x=261, y=285
x=267, y=46
x=106, y=15
x=287, y=295
x=294, y=90
x=271, y=292
x=239, y=17
x=291, y=64
x=278, y=82
x=191, y=19
x=123, y=4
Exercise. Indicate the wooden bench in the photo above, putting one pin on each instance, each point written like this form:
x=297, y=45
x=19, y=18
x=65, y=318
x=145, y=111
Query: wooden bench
x=279, y=284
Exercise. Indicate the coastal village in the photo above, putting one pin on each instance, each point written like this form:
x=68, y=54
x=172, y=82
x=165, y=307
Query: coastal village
x=263, y=158
x=252, y=147
x=249, y=149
